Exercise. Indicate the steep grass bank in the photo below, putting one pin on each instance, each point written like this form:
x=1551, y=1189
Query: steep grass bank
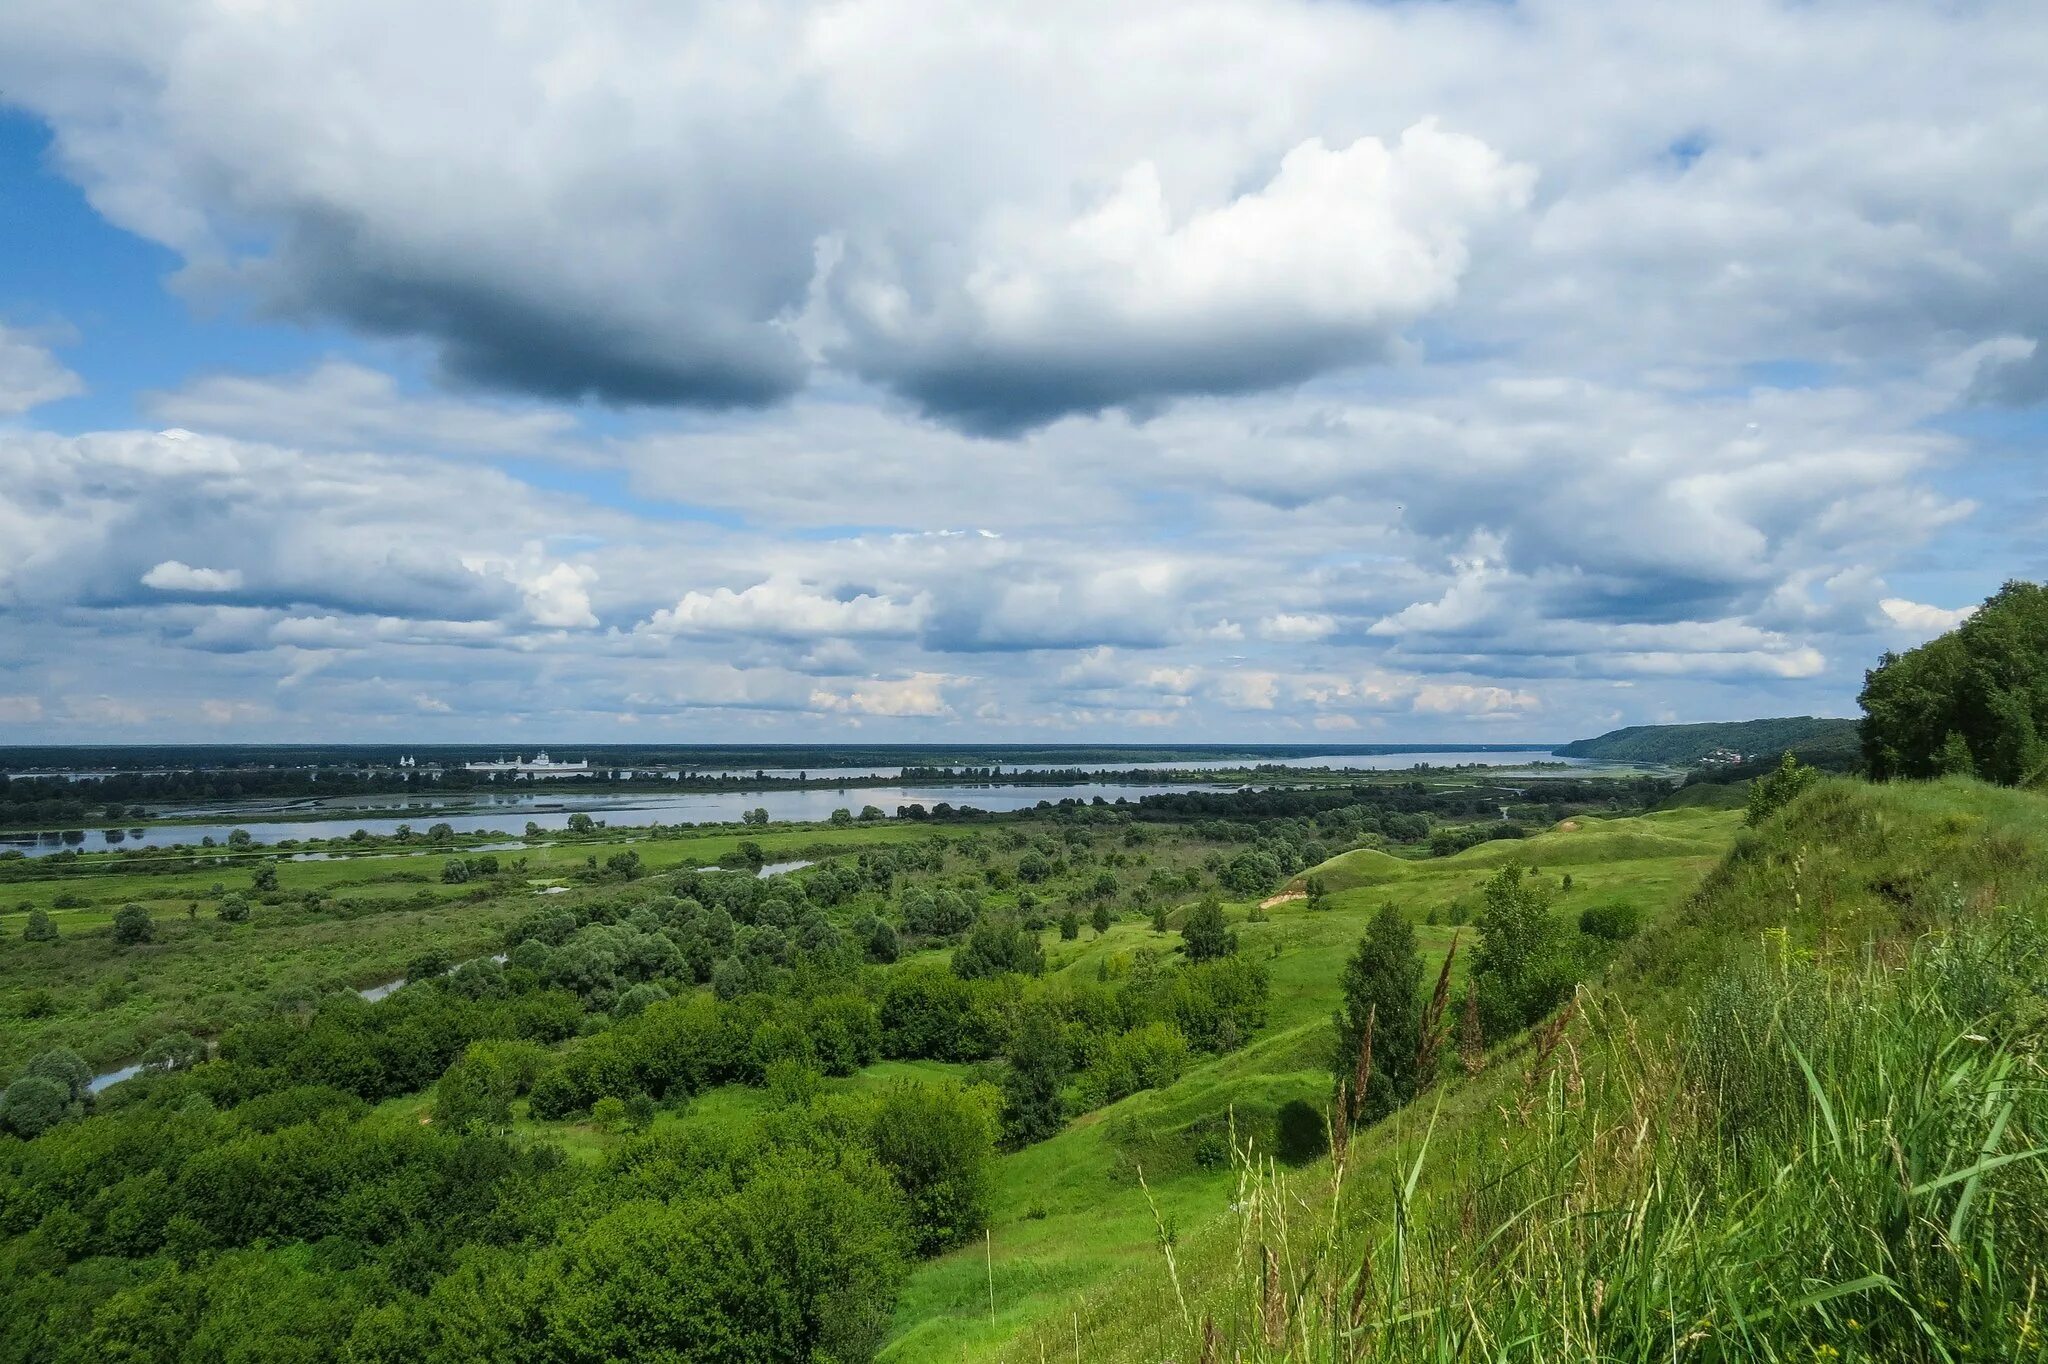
x=1803, y=1118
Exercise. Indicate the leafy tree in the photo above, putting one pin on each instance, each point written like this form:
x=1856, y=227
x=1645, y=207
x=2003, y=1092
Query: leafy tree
x=174, y=1051
x=132, y=924
x=637, y=998
x=1318, y=892
x=1982, y=688
x=1770, y=794
x=1955, y=759
x=240, y=838
x=842, y=816
x=800, y=1263
x=581, y=823
x=265, y=879
x=66, y=1067
x=233, y=909
x=730, y=978
x=1522, y=966
x=1204, y=935
x=34, y=1104
x=937, y=1141
x=40, y=927
x=1070, y=926
x=454, y=872
x=444, y=832
x=1033, y=1078
x=871, y=813
x=1382, y=981
x=997, y=945
x=1099, y=917
x=1250, y=872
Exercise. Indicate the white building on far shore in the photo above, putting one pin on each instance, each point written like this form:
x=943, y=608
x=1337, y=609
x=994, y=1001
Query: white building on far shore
x=539, y=765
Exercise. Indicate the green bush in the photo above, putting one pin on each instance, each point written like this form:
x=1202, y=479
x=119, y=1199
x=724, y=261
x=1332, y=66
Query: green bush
x=937, y=1141
x=1613, y=923
x=1299, y=1133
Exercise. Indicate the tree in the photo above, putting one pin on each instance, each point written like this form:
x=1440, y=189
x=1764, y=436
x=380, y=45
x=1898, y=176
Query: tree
x=132, y=924
x=265, y=879
x=937, y=1141
x=174, y=1051
x=1037, y=1070
x=1250, y=872
x=1070, y=926
x=800, y=1263
x=1318, y=893
x=34, y=1104
x=1204, y=935
x=40, y=927
x=66, y=1067
x=1985, y=683
x=757, y=815
x=870, y=813
x=1382, y=981
x=1522, y=967
x=580, y=823
x=842, y=816
x=240, y=838
x=1099, y=917
x=730, y=978
x=876, y=938
x=1770, y=794
x=997, y=945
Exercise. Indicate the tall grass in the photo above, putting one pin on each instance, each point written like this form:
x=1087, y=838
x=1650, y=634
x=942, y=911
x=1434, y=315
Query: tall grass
x=1827, y=1160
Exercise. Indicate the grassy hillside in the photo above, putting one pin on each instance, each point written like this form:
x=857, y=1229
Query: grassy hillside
x=1809, y=736
x=1802, y=1118
x=1073, y=1226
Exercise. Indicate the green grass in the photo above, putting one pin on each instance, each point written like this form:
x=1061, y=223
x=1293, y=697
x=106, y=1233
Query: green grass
x=1071, y=1222
x=1800, y=1120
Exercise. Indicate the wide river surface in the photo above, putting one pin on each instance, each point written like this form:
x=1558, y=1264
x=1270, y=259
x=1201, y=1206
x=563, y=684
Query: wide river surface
x=509, y=814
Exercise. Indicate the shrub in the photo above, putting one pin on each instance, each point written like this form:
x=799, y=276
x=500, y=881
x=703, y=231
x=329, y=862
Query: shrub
x=1614, y=923
x=34, y=1104
x=1299, y=1135
x=937, y=1141
x=40, y=927
x=1769, y=794
x=1204, y=936
x=132, y=924
x=1147, y=1057
x=234, y=909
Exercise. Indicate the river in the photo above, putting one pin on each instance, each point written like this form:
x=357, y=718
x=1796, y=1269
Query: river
x=550, y=809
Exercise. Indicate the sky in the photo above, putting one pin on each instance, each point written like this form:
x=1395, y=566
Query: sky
x=1215, y=370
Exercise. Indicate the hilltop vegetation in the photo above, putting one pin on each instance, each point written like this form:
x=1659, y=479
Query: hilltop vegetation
x=1815, y=740
x=1973, y=702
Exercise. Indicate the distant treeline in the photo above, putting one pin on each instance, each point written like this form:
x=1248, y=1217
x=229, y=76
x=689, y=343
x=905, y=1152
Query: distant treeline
x=1812, y=737
x=705, y=756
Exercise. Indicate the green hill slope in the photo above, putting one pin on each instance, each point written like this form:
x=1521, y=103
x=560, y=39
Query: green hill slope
x=1801, y=1118
x=1806, y=734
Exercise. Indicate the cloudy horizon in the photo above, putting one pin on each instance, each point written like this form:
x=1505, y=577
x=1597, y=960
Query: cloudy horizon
x=1246, y=371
